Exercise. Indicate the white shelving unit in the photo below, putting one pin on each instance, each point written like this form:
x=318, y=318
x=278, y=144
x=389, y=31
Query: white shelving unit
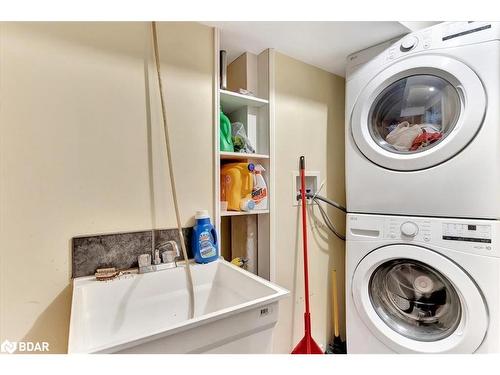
x=232, y=101
x=257, y=115
x=242, y=213
x=241, y=156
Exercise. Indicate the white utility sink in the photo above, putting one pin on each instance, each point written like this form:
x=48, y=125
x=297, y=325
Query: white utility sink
x=235, y=312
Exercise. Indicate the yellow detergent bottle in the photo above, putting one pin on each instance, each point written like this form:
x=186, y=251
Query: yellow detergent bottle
x=237, y=185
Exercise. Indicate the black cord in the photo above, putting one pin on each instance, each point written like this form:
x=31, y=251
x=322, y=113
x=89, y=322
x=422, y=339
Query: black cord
x=328, y=222
x=323, y=213
x=323, y=199
x=327, y=201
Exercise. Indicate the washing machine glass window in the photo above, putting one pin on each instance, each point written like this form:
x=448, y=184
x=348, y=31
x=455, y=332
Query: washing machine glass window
x=415, y=300
x=414, y=114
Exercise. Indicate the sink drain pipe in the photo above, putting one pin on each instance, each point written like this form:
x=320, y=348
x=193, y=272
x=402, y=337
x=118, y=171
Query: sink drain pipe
x=171, y=171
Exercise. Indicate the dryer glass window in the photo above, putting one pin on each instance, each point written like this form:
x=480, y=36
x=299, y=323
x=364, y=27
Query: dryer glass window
x=415, y=300
x=414, y=114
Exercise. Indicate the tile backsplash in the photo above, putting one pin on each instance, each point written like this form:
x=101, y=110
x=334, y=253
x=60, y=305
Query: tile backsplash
x=119, y=250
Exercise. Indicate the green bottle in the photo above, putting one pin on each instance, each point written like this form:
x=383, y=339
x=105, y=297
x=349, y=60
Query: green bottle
x=226, y=143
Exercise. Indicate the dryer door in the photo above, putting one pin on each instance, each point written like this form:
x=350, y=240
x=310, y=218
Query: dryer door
x=418, y=113
x=415, y=300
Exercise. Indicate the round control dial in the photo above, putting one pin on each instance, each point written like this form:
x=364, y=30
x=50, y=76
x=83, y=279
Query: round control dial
x=408, y=43
x=409, y=229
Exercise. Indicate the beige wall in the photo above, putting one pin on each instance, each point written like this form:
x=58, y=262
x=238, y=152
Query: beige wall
x=81, y=151
x=309, y=121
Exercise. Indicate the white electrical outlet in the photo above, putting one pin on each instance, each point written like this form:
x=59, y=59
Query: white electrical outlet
x=312, y=184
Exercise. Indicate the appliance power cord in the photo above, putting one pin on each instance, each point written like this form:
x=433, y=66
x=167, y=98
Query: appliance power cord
x=316, y=199
x=327, y=220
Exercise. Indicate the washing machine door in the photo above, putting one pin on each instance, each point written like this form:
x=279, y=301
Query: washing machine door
x=415, y=300
x=418, y=113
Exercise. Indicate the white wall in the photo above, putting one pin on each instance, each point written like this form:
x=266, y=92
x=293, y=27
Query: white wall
x=81, y=151
x=309, y=121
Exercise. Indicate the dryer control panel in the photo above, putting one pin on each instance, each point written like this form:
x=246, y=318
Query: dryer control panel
x=443, y=35
x=447, y=34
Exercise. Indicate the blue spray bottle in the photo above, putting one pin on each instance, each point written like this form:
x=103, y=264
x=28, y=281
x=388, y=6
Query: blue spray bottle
x=204, y=240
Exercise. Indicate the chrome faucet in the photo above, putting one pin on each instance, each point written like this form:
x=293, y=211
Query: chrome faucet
x=151, y=262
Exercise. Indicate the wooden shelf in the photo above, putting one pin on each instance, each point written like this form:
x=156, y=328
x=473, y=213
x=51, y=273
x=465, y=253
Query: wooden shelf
x=240, y=156
x=243, y=213
x=231, y=101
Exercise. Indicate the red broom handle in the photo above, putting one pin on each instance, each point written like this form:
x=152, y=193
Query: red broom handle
x=304, y=238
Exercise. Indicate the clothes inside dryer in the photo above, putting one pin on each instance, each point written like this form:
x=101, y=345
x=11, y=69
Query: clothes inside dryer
x=415, y=300
x=407, y=137
x=414, y=113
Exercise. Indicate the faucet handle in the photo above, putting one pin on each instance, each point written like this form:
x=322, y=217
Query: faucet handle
x=144, y=260
x=169, y=255
x=145, y=265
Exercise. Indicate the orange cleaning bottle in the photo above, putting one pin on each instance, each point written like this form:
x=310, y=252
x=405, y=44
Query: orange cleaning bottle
x=237, y=185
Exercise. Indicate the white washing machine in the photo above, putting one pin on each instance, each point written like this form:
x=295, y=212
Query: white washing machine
x=422, y=285
x=423, y=124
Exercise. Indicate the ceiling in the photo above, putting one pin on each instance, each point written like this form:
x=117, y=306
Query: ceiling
x=322, y=44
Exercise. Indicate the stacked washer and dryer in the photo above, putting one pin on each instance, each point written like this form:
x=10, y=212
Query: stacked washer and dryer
x=423, y=192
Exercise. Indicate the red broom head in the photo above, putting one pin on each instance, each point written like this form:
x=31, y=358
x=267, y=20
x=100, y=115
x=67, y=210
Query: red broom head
x=307, y=346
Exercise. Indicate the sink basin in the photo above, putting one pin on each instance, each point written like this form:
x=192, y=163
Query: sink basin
x=235, y=312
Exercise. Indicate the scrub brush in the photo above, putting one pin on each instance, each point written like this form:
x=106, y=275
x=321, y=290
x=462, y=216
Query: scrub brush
x=104, y=274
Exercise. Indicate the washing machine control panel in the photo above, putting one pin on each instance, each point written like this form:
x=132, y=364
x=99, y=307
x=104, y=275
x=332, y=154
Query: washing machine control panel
x=472, y=236
x=467, y=232
x=405, y=229
x=422, y=230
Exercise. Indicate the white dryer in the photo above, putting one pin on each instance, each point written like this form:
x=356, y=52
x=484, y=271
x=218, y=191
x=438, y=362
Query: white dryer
x=422, y=285
x=423, y=124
